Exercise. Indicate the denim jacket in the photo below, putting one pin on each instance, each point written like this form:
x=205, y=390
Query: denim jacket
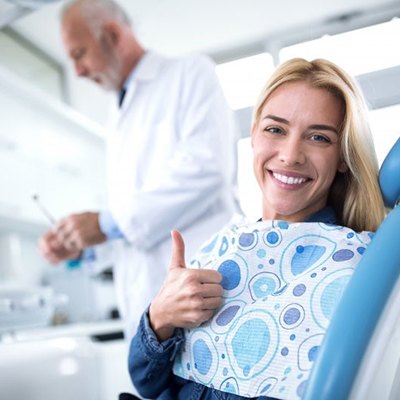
x=150, y=368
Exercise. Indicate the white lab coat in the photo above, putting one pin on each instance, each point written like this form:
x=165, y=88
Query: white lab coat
x=171, y=163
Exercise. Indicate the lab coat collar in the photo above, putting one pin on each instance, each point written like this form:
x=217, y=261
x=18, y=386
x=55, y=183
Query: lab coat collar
x=148, y=67
x=145, y=71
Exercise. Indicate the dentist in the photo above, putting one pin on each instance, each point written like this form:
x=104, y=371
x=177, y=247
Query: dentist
x=171, y=154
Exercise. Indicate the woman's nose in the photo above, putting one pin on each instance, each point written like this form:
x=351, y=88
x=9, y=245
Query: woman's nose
x=292, y=152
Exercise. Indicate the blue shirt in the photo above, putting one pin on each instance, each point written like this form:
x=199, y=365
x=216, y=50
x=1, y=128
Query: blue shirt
x=150, y=362
x=109, y=227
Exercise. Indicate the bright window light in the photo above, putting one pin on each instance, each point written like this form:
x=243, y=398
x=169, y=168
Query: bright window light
x=385, y=125
x=358, y=51
x=243, y=79
x=250, y=195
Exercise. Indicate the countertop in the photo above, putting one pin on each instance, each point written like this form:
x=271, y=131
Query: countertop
x=96, y=330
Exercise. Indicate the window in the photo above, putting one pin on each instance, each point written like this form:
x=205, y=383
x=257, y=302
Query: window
x=28, y=62
x=385, y=126
x=242, y=79
x=358, y=52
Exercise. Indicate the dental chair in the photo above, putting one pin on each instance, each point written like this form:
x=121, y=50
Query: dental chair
x=127, y=396
x=359, y=358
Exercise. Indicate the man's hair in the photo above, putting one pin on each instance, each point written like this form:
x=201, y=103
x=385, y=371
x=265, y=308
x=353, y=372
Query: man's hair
x=97, y=12
x=355, y=194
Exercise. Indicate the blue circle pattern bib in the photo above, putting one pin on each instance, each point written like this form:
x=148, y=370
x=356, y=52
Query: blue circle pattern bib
x=281, y=284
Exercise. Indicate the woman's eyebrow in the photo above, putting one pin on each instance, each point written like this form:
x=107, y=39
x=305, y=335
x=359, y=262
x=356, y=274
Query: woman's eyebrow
x=276, y=118
x=323, y=127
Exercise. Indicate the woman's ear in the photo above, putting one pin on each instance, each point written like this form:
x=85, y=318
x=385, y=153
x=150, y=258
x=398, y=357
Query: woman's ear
x=252, y=134
x=342, y=166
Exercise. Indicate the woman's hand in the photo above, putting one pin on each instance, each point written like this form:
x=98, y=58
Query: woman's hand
x=187, y=298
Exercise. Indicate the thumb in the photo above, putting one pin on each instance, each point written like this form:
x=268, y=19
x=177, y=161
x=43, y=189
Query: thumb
x=178, y=251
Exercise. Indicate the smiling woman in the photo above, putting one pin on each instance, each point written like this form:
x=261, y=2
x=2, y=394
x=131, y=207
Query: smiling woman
x=259, y=297
x=322, y=119
x=296, y=150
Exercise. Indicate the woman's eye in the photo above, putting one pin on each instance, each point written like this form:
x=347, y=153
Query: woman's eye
x=320, y=138
x=274, y=129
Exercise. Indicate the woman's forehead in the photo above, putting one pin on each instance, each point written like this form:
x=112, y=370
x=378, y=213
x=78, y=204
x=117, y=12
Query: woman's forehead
x=294, y=98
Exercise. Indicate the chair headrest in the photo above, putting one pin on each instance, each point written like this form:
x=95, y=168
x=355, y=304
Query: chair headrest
x=389, y=176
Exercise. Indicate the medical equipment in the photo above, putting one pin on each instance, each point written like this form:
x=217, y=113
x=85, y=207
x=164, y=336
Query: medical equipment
x=43, y=209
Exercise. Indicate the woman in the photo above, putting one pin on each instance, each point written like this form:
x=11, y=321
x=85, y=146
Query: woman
x=315, y=163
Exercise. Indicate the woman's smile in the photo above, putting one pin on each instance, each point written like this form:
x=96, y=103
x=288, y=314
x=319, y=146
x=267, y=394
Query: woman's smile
x=289, y=180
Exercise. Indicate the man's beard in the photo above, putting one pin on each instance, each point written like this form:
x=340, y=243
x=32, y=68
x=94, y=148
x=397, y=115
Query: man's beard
x=111, y=78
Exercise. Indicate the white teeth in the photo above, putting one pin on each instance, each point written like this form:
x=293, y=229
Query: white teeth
x=290, y=180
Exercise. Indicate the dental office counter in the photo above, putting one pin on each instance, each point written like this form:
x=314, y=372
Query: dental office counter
x=78, y=361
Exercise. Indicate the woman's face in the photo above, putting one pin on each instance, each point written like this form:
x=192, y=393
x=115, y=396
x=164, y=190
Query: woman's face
x=296, y=150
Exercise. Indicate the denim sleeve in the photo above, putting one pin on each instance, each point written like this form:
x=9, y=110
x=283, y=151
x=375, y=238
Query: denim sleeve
x=150, y=362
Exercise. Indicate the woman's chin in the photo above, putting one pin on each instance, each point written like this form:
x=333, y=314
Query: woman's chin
x=286, y=214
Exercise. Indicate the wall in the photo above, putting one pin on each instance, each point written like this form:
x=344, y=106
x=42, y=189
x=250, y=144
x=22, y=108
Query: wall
x=46, y=149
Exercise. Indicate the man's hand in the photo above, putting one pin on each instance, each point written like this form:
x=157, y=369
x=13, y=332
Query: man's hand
x=78, y=231
x=70, y=236
x=187, y=298
x=54, y=251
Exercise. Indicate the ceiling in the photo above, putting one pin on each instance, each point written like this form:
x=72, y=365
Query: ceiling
x=223, y=29
x=210, y=26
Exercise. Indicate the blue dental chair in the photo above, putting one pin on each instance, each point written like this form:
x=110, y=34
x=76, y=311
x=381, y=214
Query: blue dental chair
x=359, y=358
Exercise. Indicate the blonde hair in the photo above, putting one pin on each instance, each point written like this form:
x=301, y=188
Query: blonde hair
x=355, y=194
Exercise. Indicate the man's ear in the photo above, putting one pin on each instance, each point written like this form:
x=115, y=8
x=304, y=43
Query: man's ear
x=112, y=32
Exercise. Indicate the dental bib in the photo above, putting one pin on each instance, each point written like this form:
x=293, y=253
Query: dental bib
x=281, y=284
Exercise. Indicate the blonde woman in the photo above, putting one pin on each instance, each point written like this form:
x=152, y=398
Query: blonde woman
x=246, y=320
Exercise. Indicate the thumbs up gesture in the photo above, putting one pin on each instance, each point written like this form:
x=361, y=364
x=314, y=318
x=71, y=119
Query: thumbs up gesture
x=187, y=298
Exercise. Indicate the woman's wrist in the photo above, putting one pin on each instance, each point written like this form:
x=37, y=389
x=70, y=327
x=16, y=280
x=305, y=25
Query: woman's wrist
x=160, y=327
